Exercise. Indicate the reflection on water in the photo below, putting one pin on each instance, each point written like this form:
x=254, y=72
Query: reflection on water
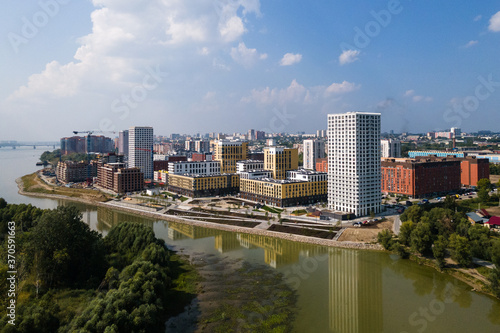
x=355, y=292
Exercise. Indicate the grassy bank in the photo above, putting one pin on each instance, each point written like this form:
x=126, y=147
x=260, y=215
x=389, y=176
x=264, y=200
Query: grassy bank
x=33, y=184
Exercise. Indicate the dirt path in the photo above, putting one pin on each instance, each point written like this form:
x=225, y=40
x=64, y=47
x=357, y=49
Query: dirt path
x=365, y=234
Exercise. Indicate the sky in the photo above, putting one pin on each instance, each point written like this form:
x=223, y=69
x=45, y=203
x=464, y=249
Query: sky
x=189, y=66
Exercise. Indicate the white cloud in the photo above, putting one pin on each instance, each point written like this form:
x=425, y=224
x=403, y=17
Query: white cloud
x=478, y=18
x=299, y=94
x=245, y=56
x=348, y=56
x=290, y=59
x=495, y=23
x=417, y=98
x=471, y=43
x=130, y=35
x=341, y=88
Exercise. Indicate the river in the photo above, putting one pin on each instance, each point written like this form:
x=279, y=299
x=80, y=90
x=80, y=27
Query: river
x=337, y=290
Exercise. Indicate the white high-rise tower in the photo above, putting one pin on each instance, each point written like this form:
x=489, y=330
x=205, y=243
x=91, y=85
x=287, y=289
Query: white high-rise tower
x=313, y=149
x=140, y=149
x=354, y=163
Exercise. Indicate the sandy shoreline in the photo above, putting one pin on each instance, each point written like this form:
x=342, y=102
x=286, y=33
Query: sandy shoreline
x=222, y=227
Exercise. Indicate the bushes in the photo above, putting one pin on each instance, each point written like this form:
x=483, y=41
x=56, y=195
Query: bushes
x=385, y=238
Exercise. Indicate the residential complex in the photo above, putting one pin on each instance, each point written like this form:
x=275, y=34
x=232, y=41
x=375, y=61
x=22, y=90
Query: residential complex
x=354, y=163
x=279, y=160
x=313, y=149
x=69, y=171
x=141, y=150
x=200, y=186
x=421, y=177
x=303, y=187
x=117, y=178
x=228, y=153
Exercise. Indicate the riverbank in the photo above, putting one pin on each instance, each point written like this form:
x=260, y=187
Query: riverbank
x=155, y=215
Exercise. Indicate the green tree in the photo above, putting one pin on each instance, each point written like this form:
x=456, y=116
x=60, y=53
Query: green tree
x=495, y=253
x=385, y=238
x=484, y=187
x=439, y=251
x=461, y=250
x=63, y=250
x=414, y=213
x=400, y=250
x=450, y=202
x=405, y=232
x=479, y=241
x=421, y=238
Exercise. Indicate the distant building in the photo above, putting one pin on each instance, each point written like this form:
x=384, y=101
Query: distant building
x=202, y=146
x=189, y=145
x=390, y=148
x=123, y=143
x=313, y=149
x=421, y=177
x=141, y=150
x=228, y=153
x=161, y=176
x=205, y=168
x=69, y=171
x=260, y=135
x=322, y=165
x=438, y=153
x=256, y=156
x=321, y=133
x=474, y=169
x=117, y=178
x=249, y=165
x=75, y=144
x=198, y=157
x=164, y=162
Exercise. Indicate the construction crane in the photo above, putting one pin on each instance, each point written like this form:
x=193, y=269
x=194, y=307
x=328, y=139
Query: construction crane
x=89, y=150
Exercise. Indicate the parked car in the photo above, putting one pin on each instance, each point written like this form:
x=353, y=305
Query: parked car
x=357, y=224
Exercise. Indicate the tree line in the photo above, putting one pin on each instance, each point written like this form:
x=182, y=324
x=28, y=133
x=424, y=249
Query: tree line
x=441, y=232
x=125, y=277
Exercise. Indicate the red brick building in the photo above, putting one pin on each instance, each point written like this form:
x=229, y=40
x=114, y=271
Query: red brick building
x=422, y=176
x=163, y=165
x=474, y=169
x=322, y=164
x=115, y=177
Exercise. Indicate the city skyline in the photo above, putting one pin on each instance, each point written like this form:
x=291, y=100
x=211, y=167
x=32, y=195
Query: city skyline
x=224, y=66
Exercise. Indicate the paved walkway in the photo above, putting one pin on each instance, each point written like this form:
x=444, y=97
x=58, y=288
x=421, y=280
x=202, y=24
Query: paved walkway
x=397, y=225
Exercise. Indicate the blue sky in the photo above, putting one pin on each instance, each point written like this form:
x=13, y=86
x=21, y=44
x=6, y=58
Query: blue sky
x=230, y=65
